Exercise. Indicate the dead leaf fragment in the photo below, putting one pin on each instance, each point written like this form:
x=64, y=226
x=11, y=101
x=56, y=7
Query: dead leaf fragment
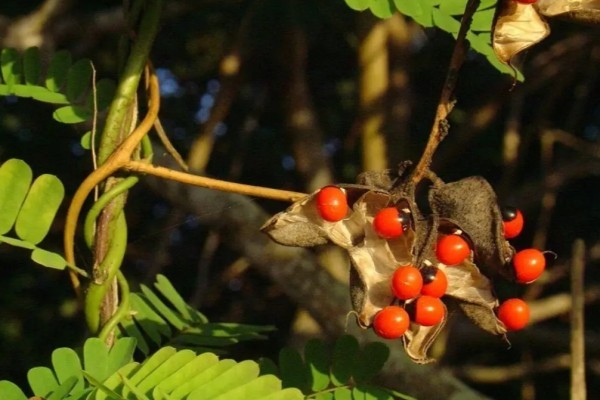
x=551, y=8
x=518, y=27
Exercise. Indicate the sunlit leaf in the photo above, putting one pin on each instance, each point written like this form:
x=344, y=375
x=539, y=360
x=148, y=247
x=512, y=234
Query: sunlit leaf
x=39, y=208
x=48, y=259
x=15, y=179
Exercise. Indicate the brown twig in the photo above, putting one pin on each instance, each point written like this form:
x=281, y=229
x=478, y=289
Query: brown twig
x=440, y=127
x=210, y=183
x=578, y=388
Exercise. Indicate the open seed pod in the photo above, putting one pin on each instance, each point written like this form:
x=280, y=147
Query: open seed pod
x=467, y=206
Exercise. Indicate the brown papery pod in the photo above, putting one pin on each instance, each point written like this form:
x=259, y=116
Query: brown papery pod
x=583, y=8
x=517, y=27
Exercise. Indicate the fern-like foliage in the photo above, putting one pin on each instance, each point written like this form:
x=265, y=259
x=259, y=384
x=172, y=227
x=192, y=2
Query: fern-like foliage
x=444, y=14
x=28, y=208
x=62, y=82
x=342, y=374
x=160, y=316
x=111, y=374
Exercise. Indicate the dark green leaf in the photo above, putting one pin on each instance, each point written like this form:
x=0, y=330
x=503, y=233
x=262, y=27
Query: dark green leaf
x=133, y=331
x=79, y=79
x=316, y=357
x=39, y=208
x=57, y=70
x=32, y=66
x=166, y=288
x=15, y=179
x=268, y=366
x=345, y=352
x=166, y=312
x=150, y=322
x=293, y=370
x=105, y=91
x=371, y=360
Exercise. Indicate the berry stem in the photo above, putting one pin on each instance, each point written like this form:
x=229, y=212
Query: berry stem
x=439, y=129
x=578, y=386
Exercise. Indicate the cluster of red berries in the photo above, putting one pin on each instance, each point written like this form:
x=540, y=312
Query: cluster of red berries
x=420, y=290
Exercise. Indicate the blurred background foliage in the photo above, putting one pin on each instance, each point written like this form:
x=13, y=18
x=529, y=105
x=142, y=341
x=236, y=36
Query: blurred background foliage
x=295, y=94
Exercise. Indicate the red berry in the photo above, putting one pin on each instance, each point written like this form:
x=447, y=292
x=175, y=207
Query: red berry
x=526, y=1
x=427, y=310
x=435, y=282
x=407, y=282
x=331, y=203
x=390, y=223
x=514, y=314
x=529, y=264
x=513, y=222
x=452, y=249
x=391, y=322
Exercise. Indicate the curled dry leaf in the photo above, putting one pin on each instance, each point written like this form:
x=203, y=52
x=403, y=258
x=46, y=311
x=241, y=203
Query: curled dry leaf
x=468, y=205
x=517, y=27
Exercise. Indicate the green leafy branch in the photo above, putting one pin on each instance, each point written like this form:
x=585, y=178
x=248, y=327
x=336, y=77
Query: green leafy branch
x=29, y=208
x=160, y=316
x=105, y=373
x=343, y=374
x=445, y=15
x=63, y=82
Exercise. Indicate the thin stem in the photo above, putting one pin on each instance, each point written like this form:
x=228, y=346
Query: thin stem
x=578, y=389
x=440, y=128
x=210, y=183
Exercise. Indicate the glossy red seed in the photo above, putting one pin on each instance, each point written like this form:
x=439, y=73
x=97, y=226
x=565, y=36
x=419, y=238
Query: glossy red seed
x=513, y=222
x=391, y=322
x=528, y=264
x=435, y=282
x=452, y=249
x=514, y=314
x=390, y=223
x=427, y=310
x=331, y=203
x=407, y=282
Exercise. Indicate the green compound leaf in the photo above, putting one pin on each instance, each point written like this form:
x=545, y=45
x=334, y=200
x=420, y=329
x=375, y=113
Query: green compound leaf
x=39, y=208
x=345, y=352
x=411, y=8
x=15, y=179
x=371, y=360
x=10, y=391
x=317, y=360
